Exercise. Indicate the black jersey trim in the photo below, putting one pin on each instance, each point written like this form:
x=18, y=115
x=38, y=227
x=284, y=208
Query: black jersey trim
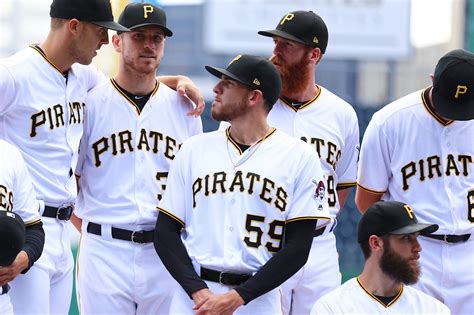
x=37, y=221
x=174, y=217
x=41, y=52
x=236, y=144
x=121, y=91
x=346, y=185
x=296, y=108
x=429, y=109
x=395, y=299
x=371, y=190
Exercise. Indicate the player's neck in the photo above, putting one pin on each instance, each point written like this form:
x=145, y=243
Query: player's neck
x=307, y=94
x=377, y=282
x=134, y=83
x=247, y=131
x=56, y=51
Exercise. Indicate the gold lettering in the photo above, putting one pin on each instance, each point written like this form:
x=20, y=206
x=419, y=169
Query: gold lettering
x=409, y=211
x=287, y=17
x=147, y=9
x=460, y=89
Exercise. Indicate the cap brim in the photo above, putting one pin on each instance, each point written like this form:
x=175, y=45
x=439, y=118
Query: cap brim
x=219, y=72
x=166, y=30
x=111, y=25
x=452, y=110
x=419, y=227
x=285, y=35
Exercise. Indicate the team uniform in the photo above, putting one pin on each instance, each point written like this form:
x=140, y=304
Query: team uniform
x=41, y=112
x=234, y=205
x=17, y=195
x=353, y=298
x=411, y=154
x=125, y=156
x=330, y=126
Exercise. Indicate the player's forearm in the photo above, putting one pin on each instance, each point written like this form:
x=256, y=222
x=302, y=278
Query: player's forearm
x=173, y=254
x=298, y=239
x=34, y=242
x=365, y=199
x=342, y=196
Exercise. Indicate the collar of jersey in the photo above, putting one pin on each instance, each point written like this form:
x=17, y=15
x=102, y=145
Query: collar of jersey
x=120, y=90
x=296, y=108
x=41, y=52
x=395, y=299
x=236, y=145
x=429, y=109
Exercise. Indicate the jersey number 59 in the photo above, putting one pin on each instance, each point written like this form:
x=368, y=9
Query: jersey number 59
x=254, y=224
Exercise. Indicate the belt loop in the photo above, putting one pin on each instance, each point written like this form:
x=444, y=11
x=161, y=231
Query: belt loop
x=41, y=207
x=106, y=230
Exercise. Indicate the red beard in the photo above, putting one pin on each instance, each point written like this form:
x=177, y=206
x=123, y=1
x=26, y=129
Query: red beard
x=294, y=77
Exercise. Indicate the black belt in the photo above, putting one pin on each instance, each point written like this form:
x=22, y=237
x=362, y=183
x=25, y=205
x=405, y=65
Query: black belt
x=5, y=289
x=61, y=213
x=223, y=277
x=140, y=237
x=449, y=238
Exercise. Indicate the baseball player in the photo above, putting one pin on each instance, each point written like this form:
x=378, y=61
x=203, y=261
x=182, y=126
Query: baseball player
x=310, y=112
x=42, y=93
x=235, y=196
x=20, y=247
x=419, y=150
x=388, y=236
x=133, y=129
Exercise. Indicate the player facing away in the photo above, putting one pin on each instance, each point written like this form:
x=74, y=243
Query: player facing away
x=42, y=92
x=310, y=112
x=420, y=150
x=21, y=229
x=241, y=206
x=134, y=126
x=388, y=236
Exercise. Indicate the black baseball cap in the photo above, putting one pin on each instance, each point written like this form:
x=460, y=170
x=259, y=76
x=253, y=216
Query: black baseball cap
x=304, y=27
x=453, y=86
x=143, y=14
x=12, y=236
x=391, y=217
x=256, y=72
x=98, y=12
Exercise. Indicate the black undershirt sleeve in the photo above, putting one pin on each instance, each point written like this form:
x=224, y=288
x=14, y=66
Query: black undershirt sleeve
x=173, y=254
x=285, y=263
x=34, y=242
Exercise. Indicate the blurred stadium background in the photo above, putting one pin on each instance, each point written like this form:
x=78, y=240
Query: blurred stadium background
x=378, y=50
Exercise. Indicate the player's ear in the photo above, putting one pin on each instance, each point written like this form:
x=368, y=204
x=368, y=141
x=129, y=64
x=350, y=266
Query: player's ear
x=255, y=97
x=432, y=78
x=375, y=243
x=117, y=42
x=315, y=55
x=74, y=26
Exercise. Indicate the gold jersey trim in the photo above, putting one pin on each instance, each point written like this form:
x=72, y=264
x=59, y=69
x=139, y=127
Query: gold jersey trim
x=371, y=190
x=440, y=119
x=307, y=218
x=171, y=215
x=346, y=185
x=395, y=299
x=36, y=47
x=33, y=222
x=120, y=90
x=296, y=108
x=235, y=144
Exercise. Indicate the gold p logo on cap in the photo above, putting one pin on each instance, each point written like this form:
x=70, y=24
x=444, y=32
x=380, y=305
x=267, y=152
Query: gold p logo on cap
x=147, y=9
x=287, y=17
x=235, y=59
x=409, y=210
x=460, y=89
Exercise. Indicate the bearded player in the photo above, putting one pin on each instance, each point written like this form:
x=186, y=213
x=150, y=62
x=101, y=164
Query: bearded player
x=388, y=235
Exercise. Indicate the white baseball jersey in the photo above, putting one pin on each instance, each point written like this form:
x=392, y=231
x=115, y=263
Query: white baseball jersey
x=124, y=158
x=353, y=298
x=41, y=112
x=330, y=126
x=125, y=154
x=234, y=205
x=410, y=155
x=16, y=190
